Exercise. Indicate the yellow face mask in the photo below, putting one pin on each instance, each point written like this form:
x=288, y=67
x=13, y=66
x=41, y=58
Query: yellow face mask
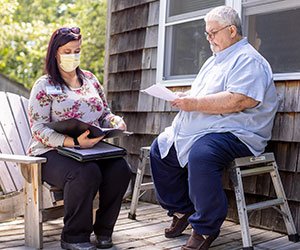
x=69, y=62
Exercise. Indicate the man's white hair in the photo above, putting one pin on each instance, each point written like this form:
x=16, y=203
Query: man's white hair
x=225, y=15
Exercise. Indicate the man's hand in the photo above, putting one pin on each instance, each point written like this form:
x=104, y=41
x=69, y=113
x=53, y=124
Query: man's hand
x=186, y=103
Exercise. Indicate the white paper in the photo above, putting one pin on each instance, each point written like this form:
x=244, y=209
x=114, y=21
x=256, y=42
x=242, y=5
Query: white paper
x=160, y=91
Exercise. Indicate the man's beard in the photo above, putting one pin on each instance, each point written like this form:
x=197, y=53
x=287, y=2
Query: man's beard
x=212, y=48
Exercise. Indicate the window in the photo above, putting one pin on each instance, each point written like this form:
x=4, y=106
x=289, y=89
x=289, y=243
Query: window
x=183, y=47
x=268, y=24
x=178, y=7
x=272, y=31
x=186, y=49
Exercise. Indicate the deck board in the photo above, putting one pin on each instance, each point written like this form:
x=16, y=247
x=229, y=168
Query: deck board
x=147, y=233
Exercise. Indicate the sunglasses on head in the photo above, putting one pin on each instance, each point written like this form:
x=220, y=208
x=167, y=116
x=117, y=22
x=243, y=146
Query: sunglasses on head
x=74, y=30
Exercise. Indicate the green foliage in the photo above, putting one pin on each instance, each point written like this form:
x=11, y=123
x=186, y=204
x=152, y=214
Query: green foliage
x=26, y=27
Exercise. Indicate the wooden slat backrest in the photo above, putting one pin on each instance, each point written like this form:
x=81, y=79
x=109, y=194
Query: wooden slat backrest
x=14, y=138
x=19, y=106
x=6, y=182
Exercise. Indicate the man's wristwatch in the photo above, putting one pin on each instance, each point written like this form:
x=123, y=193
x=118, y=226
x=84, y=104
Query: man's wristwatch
x=76, y=143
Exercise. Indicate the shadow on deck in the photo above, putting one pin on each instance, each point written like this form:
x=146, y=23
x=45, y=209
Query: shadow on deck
x=146, y=233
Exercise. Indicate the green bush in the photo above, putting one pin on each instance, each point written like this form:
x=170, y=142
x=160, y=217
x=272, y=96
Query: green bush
x=26, y=27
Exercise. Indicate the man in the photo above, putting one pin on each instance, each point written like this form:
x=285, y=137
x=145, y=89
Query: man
x=228, y=113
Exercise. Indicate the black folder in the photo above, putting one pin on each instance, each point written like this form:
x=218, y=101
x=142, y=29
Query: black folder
x=102, y=150
x=74, y=128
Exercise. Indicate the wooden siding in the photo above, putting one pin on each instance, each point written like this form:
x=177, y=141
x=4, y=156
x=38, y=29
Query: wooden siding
x=124, y=81
x=128, y=41
x=133, y=39
x=129, y=19
x=132, y=67
x=288, y=92
x=120, y=5
x=125, y=62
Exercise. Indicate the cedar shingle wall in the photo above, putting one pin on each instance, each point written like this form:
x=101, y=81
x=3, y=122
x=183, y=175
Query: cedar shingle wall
x=132, y=66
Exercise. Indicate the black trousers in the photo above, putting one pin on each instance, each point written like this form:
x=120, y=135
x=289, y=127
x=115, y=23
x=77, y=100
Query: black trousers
x=80, y=182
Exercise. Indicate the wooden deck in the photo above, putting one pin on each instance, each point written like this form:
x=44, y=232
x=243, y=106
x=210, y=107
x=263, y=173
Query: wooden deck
x=146, y=233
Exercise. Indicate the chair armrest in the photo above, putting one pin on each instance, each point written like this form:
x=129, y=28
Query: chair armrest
x=26, y=163
x=22, y=159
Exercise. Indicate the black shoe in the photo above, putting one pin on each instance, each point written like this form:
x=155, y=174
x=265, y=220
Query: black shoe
x=103, y=242
x=77, y=246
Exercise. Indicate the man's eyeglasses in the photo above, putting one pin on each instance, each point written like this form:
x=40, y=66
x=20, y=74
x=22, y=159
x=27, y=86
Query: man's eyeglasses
x=74, y=30
x=212, y=34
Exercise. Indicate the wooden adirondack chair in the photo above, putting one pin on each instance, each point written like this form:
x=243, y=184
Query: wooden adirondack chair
x=20, y=175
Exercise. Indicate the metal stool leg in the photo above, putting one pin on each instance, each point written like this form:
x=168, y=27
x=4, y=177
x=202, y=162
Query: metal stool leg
x=285, y=209
x=137, y=188
x=236, y=178
x=139, y=185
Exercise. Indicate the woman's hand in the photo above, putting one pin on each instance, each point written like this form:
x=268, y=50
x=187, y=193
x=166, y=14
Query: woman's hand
x=86, y=142
x=118, y=122
x=83, y=140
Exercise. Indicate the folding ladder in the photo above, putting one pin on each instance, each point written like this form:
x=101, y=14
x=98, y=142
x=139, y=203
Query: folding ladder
x=139, y=185
x=250, y=166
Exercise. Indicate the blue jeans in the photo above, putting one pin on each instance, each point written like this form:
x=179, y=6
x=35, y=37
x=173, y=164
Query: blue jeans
x=198, y=186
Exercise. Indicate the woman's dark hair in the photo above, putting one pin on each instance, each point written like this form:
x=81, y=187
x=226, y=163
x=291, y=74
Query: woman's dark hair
x=59, y=38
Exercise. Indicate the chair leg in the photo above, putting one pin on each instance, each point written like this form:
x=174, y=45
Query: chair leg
x=241, y=207
x=33, y=199
x=137, y=188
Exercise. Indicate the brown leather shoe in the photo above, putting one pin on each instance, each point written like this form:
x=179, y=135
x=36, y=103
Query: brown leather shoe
x=178, y=226
x=198, y=242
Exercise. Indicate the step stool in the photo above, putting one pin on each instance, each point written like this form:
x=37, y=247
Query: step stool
x=139, y=185
x=249, y=166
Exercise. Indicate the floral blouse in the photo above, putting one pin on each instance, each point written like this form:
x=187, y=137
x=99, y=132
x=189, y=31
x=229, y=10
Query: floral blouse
x=48, y=103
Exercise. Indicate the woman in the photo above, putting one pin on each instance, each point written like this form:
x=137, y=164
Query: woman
x=66, y=92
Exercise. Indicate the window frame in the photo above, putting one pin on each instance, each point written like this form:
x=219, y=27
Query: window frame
x=243, y=7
